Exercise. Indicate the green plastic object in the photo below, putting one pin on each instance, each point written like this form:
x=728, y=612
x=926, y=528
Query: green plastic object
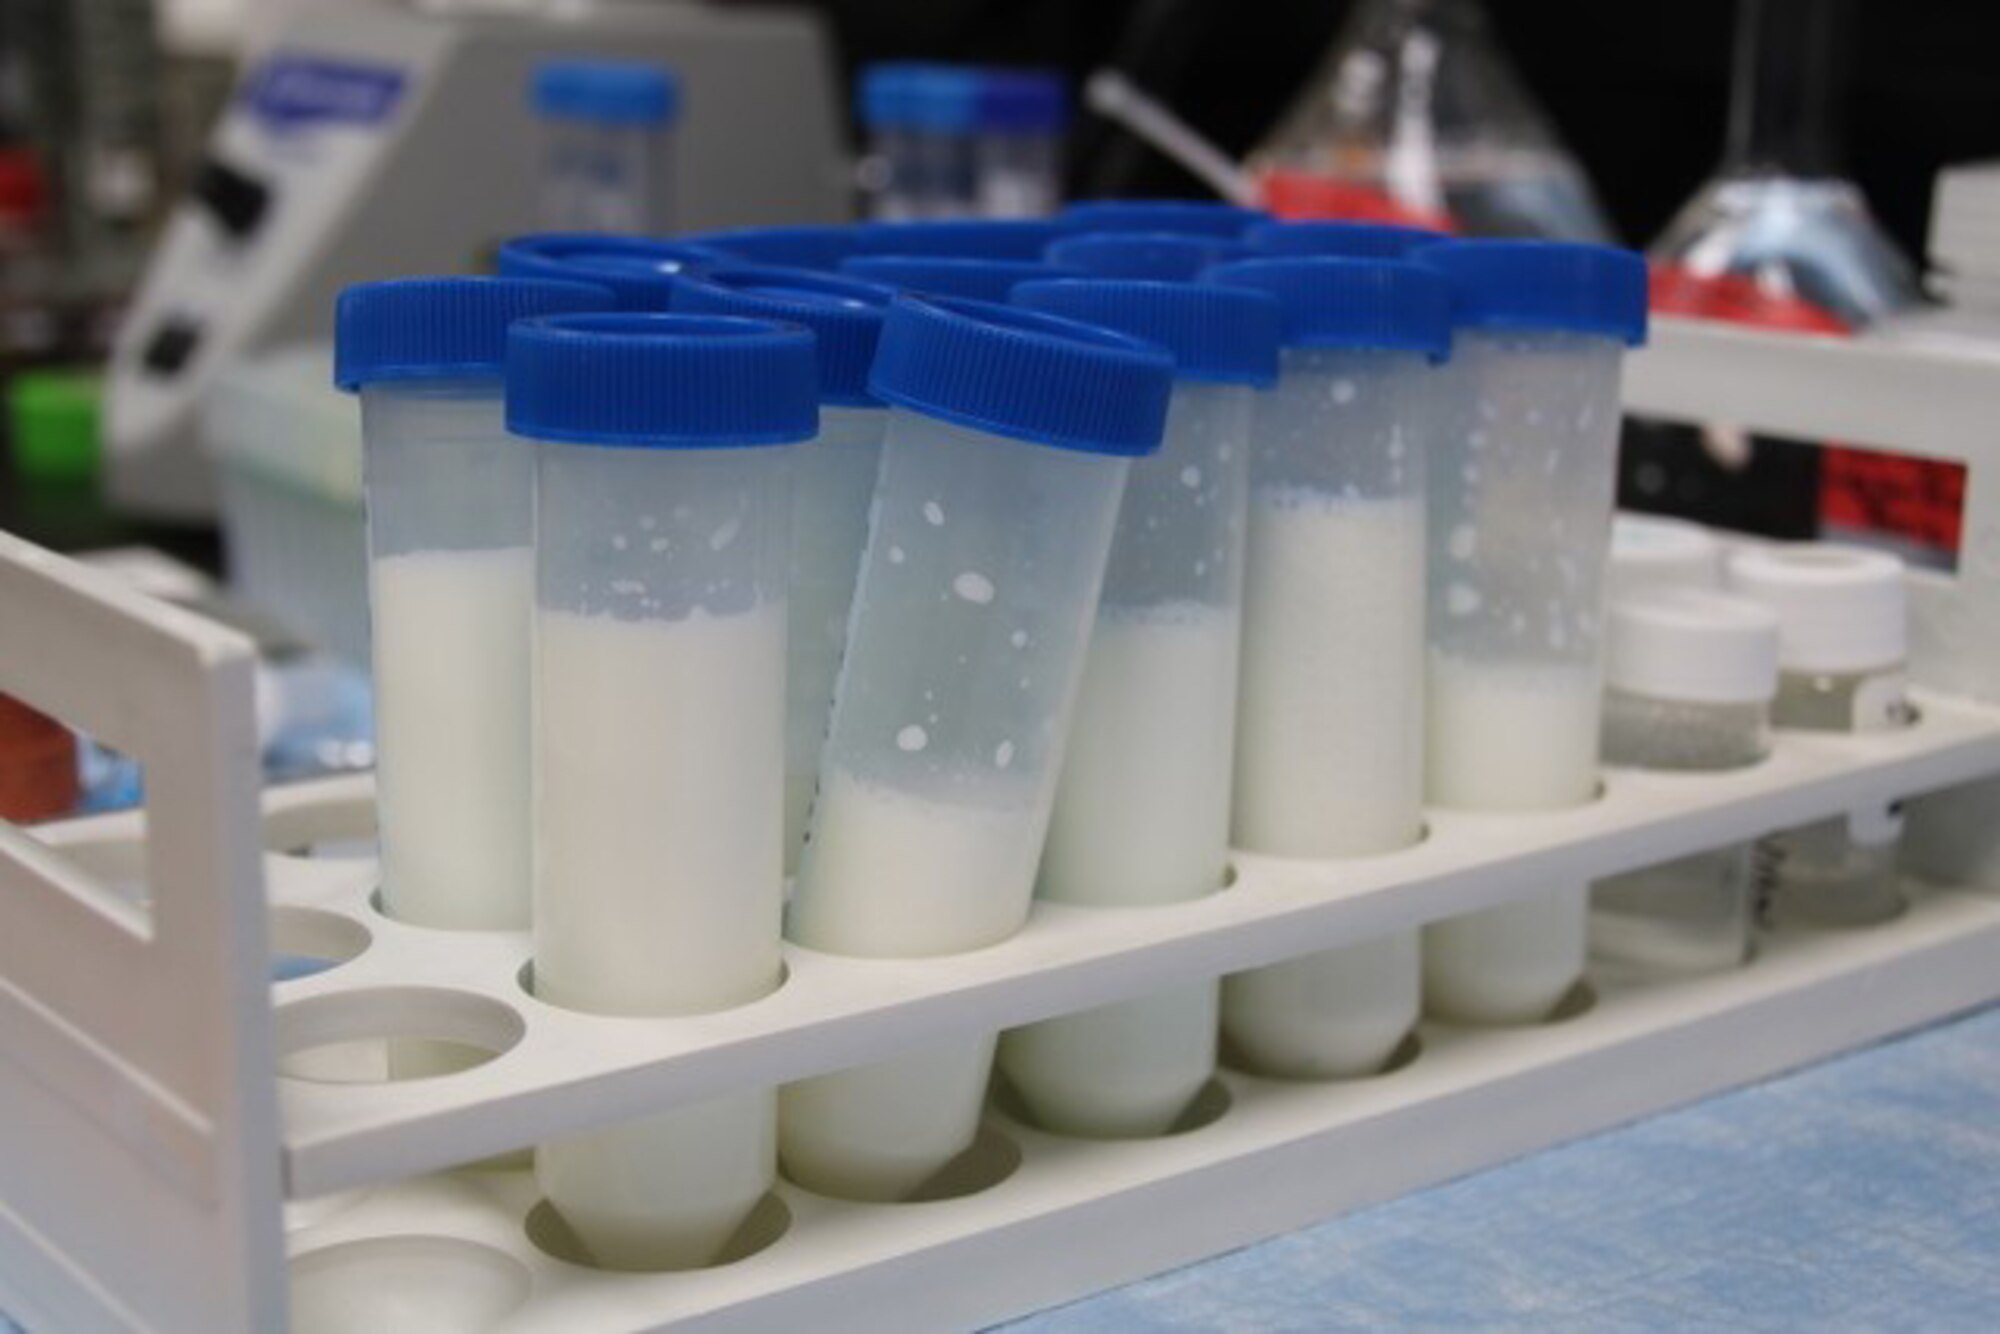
x=53, y=418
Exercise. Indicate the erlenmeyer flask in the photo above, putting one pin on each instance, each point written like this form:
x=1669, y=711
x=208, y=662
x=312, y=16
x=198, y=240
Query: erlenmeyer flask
x=1417, y=116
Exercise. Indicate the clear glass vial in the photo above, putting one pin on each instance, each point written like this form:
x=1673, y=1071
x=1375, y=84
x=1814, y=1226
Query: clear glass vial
x=663, y=515
x=1521, y=498
x=1142, y=809
x=1330, y=720
x=449, y=499
x=835, y=481
x=1689, y=677
x=1843, y=643
x=1010, y=436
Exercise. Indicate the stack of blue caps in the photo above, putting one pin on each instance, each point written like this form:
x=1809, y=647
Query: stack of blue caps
x=803, y=246
x=1024, y=375
x=661, y=381
x=606, y=92
x=1360, y=303
x=1200, y=217
x=844, y=314
x=1221, y=334
x=1342, y=240
x=1558, y=285
x=1021, y=101
x=967, y=238
x=944, y=275
x=637, y=270
x=1163, y=256
x=441, y=328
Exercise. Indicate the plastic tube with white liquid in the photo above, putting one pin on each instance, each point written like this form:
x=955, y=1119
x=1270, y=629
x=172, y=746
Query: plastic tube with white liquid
x=1142, y=810
x=1009, y=439
x=1330, y=742
x=1521, y=497
x=662, y=545
x=835, y=480
x=449, y=503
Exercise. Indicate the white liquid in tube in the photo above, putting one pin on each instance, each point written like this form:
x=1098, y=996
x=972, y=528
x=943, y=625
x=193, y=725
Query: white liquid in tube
x=451, y=670
x=1338, y=1014
x=1124, y=1070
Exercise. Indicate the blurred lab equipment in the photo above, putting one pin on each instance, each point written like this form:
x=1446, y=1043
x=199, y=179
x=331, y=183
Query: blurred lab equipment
x=356, y=138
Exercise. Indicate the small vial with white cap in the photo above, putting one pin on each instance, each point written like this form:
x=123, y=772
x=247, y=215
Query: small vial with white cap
x=607, y=145
x=1689, y=676
x=1843, y=644
x=1650, y=551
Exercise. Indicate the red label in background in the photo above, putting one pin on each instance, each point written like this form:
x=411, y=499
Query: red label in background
x=38, y=778
x=1920, y=502
x=1298, y=196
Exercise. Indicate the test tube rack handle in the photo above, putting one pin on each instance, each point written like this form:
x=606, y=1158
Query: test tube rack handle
x=148, y=1143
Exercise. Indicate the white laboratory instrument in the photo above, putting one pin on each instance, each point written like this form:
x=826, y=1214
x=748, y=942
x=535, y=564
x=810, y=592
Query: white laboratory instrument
x=380, y=137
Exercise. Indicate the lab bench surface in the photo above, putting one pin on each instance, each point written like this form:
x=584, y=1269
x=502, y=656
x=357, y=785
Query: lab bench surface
x=1859, y=1194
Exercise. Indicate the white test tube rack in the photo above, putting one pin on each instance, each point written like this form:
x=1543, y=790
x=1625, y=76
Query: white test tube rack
x=157, y=1170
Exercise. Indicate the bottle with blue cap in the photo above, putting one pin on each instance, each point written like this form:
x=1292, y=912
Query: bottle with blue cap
x=607, y=144
x=1339, y=239
x=1520, y=535
x=662, y=545
x=449, y=514
x=810, y=245
x=1191, y=217
x=1010, y=436
x=1168, y=257
x=1019, y=119
x=1329, y=745
x=1142, y=808
x=835, y=479
x=918, y=119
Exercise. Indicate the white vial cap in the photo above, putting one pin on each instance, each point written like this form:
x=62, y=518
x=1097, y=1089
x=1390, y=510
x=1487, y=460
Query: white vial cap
x=1840, y=609
x=1692, y=644
x=1651, y=552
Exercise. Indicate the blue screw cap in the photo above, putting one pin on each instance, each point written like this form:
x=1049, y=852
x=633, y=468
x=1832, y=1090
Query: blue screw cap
x=1564, y=285
x=1225, y=334
x=964, y=238
x=661, y=381
x=1375, y=303
x=606, y=92
x=807, y=246
x=1340, y=240
x=1022, y=101
x=944, y=275
x=441, y=328
x=1024, y=375
x=638, y=270
x=1198, y=217
x=844, y=314
x=1162, y=256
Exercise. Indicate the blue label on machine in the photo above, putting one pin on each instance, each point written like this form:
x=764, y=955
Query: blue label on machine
x=291, y=92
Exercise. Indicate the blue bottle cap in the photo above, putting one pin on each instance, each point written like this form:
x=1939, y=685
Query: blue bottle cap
x=913, y=95
x=945, y=275
x=964, y=238
x=1024, y=375
x=1226, y=334
x=1340, y=240
x=844, y=314
x=606, y=92
x=1199, y=217
x=1590, y=289
x=1163, y=256
x=1022, y=101
x=661, y=381
x=441, y=328
x=552, y=254
x=809, y=246
x=1378, y=303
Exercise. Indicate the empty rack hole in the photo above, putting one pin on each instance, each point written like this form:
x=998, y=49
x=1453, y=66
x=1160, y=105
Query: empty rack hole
x=306, y=941
x=405, y=1282
x=390, y=1034
x=760, y=1229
